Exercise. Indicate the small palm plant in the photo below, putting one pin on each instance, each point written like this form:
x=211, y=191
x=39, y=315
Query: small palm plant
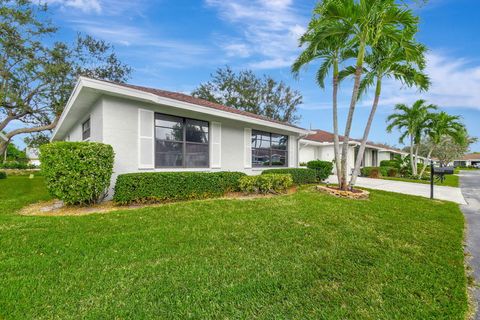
x=412, y=122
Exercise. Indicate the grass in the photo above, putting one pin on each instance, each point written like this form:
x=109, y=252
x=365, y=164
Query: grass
x=451, y=180
x=301, y=256
x=458, y=169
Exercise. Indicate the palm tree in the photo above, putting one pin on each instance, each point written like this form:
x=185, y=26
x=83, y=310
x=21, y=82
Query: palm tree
x=332, y=52
x=401, y=61
x=441, y=126
x=362, y=23
x=412, y=121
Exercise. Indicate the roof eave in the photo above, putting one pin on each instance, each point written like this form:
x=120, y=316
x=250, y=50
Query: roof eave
x=136, y=94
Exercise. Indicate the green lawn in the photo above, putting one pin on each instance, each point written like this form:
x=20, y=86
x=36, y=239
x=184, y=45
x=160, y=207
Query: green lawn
x=451, y=180
x=301, y=256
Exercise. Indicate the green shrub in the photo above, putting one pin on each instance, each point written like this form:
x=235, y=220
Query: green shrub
x=77, y=172
x=17, y=165
x=3, y=175
x=389, y=163
x=229, y=180
x=171, y=186
x=266, y=183
x=299, y=175
x=371, y=172
x=323, y=168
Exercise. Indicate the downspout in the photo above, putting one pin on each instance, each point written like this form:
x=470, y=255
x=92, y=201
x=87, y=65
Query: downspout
x=300, y=137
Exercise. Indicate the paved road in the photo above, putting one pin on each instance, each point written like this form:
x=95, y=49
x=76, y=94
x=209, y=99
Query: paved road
x=416, y=189
x=470, y=185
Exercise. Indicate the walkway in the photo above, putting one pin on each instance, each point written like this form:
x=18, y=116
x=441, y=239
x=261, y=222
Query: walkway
x=470, y=185
x=411, y=188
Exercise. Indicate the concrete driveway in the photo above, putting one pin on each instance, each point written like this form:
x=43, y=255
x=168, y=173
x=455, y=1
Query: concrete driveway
x=415, y=189
x=470, y=185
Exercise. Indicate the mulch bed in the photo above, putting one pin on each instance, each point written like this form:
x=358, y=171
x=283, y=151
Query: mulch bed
x=357, y=194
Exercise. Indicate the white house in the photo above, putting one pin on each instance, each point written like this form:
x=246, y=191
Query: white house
x=33, y=156
x=153, y=130
x=319, y=146
x=471, y=159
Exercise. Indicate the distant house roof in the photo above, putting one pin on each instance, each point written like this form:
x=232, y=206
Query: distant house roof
x=327, y=137
x=471, y=156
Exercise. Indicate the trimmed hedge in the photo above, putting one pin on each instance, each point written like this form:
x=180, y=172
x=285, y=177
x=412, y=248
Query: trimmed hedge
x=3, y=175
x=266, y=183
x=389, y=163
x=299, y=175
x=170, y=186
x=322, y=168
x=77, y=173
x=371, y=172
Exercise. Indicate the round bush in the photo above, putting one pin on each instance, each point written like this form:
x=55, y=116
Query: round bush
x=266, y=183
x=3, y=175
x=77, y=173
x=323, y=168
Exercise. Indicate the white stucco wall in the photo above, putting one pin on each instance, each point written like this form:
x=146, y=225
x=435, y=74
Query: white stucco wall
x=96, y=124
x=383, y=155
x=325, y=153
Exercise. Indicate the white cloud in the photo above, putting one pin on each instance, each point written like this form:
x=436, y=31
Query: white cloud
x=455, y=83
x=83, y=5
x=236, y=50
x=269, y=29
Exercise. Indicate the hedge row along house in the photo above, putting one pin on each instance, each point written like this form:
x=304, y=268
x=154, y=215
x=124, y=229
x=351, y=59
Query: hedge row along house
x=154, y=130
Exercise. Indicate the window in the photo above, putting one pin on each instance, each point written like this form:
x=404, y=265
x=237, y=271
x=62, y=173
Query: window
x=180, y=142
x=86, y=129
x=269, y=149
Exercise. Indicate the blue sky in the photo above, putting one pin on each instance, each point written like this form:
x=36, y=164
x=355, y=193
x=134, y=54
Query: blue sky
x=177, y=44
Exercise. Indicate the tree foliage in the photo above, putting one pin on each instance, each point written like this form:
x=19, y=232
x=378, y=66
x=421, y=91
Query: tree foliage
x=248, y=92
x=37, y=76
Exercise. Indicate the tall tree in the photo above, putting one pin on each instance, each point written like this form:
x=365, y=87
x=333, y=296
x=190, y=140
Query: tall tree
x=362, y=23
x=444, y=126
x=245, y=91
x=402, y=61
x=36, y=78
x=331, y=53
x=411, y=121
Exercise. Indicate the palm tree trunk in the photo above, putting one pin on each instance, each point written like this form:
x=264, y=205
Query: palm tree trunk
x=416, y=159
x=358, y=161
x=336, y=143
x=348, y=125
x=412, y=162
x=425, y=165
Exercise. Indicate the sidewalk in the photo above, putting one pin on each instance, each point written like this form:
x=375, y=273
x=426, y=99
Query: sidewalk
x=411, y=188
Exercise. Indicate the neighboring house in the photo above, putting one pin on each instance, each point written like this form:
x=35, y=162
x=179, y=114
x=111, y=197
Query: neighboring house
x=319, y=146
x=33, y=156
x=155, y=130
x=472, y=159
